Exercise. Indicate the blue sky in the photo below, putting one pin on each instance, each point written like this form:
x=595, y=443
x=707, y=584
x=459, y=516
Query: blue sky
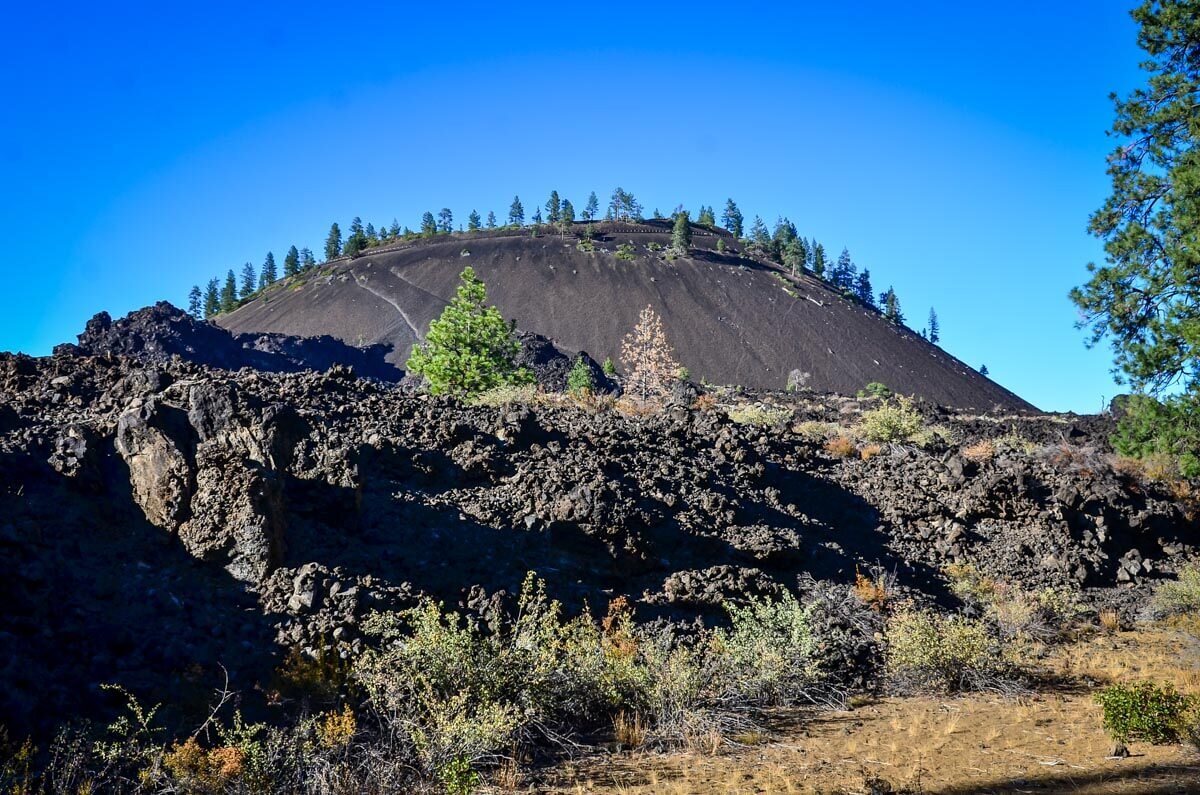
x=956, y=149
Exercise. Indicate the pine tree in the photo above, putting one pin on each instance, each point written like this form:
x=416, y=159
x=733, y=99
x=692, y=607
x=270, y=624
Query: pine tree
x=212, y=298
x=428, y=224
x=469, y=348
x=566, y=217
x=781, y=238
x=446, y=220
x=759, y=233
x=291, y=262
x=306, y=259
x=333, y=243
x=983, y=369
x=249, y=281
x=357, y=241
x=537, y=216
x=369, y=235
x=706, y=217
x=194, y=299
x=891, y=306
x=591, y=208
x=818, y=260
x=491, y=222
x=553, y=208
x=394, y=229
x=794, y=256
x=844, y=274
x=473, y=222
x=229, y=293
x=268, y=275
x=516, y=212
x=580, y=380
x=732, y=218
x=648, y=360
x=935, y=330
x=681, y=234
x=862, y=288
x=1146, y=297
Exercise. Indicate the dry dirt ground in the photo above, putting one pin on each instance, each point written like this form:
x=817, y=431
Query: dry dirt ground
x=1048, y=741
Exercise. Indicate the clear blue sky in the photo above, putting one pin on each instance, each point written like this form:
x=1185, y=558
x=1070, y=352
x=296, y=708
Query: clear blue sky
x=955, y=148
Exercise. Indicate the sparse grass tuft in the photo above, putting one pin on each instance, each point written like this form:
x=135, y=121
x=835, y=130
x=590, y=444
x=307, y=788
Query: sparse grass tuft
x=841, y=447
x=759, y=414
x=980, y=452
x=1179, y=597
x=506, y=395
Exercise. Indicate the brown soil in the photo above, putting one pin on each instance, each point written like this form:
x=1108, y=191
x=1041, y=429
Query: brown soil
x=732, y=320
x=1051, y=741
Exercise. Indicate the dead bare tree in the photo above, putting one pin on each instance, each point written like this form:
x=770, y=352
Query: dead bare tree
x=649, y=360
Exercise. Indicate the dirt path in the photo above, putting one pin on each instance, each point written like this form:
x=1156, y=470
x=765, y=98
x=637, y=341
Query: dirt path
x=1049, y=742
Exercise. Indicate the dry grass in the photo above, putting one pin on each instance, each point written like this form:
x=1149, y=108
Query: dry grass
x=872, y=591
x=1049, y=742
x=980, y=452
x=629, y=730
x=869, y=451
x=1110, y=621
x=841, y=447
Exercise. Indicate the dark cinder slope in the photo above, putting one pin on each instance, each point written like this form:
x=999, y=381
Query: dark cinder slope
x=730, y=318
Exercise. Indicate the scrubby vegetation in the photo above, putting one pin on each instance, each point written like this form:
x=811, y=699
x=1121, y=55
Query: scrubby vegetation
x=894, y=421
x=1147, y=712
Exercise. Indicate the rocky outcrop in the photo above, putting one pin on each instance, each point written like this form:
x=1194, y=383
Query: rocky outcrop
x=160, y=514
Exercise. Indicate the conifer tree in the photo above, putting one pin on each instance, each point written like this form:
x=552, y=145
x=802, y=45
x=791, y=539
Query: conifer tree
x=566, y=216
x=891, y=306
x=794, y=256
x=681, y=234
x=862, y=288
x=537, y=216
x=428, y=224
x=446, y=220
x=580, y=380
x=291, y=262
x=394, y=229
x=983, y=369
x=759, y=233
x=732, y=218
x=844, y=274
x=369, y=236
x=781, y=238
x=935, y=330
x=1146, y=296
x=818, y=260
x=212, y=298
x=469, y=348
x=649, y=361
x=333, y=242
x=553, y=208
x=706, y=216
x=194, y=302
x=473, y=222
x=249, y=281
x=268, y=275
x=229, y=292
x=491, y=222
x=357, y=241
x=516, y=212
x=306, y=259
x=591, y=208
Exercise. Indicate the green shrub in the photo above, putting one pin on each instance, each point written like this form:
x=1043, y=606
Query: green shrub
x=608, y=367
x=1145, y=711
x=626, y=251
x=1014, y=613
x=759, y=414
x=896, y=421
x=875, y=390
x=944, y=653
x=1180, y=596
x=768, y=654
